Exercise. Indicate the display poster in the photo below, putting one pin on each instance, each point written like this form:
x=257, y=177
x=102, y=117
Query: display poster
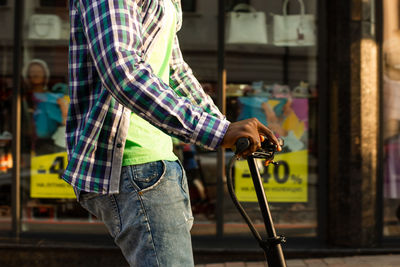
x=46, y=181
x=287, y=181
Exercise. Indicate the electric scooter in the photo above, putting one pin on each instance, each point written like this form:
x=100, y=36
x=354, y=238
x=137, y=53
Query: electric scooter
x=271, y=245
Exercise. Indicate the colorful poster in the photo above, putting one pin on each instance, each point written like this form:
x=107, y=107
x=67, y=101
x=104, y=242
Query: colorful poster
x=286, y=182
x=287, y=117
x=46, y=179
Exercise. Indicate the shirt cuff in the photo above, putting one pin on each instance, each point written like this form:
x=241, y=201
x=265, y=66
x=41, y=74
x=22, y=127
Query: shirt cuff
x=210, y=131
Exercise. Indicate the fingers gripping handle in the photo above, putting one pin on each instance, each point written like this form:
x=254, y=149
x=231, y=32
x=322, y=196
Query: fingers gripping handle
x=266, y=146
x=242, y=144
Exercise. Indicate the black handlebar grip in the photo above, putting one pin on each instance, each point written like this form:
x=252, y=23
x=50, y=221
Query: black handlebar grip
x=242, y=144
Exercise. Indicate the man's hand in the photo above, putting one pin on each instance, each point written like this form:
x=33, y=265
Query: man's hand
x=251, y=129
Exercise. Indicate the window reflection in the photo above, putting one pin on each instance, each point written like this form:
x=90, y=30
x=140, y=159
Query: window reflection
x=6, y=91
x=276, y=82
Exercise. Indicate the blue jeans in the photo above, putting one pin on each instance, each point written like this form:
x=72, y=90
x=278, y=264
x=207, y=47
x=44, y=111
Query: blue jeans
x=150, y=219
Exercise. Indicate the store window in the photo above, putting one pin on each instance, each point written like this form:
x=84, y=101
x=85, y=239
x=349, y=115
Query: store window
x=48, y=203
x=198, y=40
x=391, y=109
x=6, y=91
x=272, y=75
x=273, y=79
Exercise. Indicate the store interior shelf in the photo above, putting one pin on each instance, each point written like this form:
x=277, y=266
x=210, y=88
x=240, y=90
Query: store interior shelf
x=46, y=43
x=52, y=9
x=237, y=49
x=270, y=49
x=254, y=49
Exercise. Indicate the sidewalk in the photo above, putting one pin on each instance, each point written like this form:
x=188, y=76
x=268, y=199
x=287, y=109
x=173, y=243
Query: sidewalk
x=356, y=261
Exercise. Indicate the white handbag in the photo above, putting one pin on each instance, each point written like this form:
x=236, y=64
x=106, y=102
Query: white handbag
x=246, y=27
x=294, y=30
x=43, y=26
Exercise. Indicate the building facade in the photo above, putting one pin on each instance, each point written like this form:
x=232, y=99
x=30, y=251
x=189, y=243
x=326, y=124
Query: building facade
x=323, y=75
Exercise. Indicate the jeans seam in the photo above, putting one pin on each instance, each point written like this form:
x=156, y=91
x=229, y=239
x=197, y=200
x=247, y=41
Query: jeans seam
x=132, y=185
x=183, y=176
x=117, y=216
x=149, y=227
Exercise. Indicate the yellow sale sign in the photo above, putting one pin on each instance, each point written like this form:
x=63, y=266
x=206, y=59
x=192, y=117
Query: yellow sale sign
x=286, y=182
x=46, y=179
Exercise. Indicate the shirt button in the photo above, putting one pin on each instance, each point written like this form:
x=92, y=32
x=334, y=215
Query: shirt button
x=119, y=145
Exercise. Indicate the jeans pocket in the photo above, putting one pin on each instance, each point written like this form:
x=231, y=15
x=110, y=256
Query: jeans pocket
x=105, y=208
x=148, y=175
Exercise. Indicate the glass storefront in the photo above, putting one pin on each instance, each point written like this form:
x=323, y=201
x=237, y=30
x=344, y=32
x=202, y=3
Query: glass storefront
x=48, y=203
x=198, y=40
x=273, y=78
x=6, y=92
x=273, y=73
x=391, y=109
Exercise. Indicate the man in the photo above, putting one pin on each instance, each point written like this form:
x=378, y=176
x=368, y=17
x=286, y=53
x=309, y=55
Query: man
x=130, y=91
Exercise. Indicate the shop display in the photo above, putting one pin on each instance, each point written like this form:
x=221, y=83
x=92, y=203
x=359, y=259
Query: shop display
x=47, y=116
x=46, y=179
x=287, y=117
x=245, y=25
x=43, y=26
x=302, y=90
x=294, y=30
x=6, y=162
x=278, y=99
x=45, y=109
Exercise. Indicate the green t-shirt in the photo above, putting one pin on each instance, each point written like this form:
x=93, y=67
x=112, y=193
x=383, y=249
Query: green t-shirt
x=146, y=143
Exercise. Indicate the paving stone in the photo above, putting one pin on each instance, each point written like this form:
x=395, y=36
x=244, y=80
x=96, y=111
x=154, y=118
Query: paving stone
x=256, y=264
x=315, y=263
x=333, y=261
x=295, y=263
x=350, y=260
x=235, y=264
x=355, y=264
x=381, y=259
x=368, y=259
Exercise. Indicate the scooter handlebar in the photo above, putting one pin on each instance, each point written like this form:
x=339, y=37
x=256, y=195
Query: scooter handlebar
x=242, y=144
x=267, y=147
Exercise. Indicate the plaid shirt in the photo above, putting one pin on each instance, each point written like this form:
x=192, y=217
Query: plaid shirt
x=109, y=78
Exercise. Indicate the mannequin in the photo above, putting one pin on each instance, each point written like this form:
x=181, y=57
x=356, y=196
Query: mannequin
x=49, y=110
